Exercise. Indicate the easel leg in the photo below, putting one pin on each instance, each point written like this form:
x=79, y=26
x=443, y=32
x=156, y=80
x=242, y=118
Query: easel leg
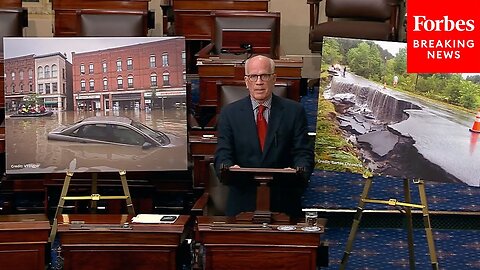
x=356, y=223
x=428, y=227
x=409, y=223
x=61, y=203
x=126, y=191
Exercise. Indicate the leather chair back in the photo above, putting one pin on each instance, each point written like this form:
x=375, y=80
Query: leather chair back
x=113, y=24
x=365, y=19
x=229, y=93
x=12, y=22
x=233, y=29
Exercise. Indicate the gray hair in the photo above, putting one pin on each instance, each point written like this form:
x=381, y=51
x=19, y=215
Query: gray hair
x=270, y=60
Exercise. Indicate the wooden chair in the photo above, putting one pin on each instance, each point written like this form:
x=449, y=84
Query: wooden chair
x=365, y=19
x=125, y=18
x=115, y=23
x=239, y=33
x=230, y=91
x=12, y=22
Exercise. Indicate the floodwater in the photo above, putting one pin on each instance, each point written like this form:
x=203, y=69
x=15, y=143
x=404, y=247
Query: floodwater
x=29, y=151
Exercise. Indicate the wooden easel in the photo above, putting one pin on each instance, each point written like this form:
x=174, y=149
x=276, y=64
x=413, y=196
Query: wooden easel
x=94, y=197
x=408, y=212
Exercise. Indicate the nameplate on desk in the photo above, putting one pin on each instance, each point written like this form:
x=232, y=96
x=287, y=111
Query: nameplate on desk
x=155, y=219
x=98, y=227
x=208, y=136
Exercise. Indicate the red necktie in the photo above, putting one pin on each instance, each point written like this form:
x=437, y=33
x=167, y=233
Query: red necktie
x=261, y=126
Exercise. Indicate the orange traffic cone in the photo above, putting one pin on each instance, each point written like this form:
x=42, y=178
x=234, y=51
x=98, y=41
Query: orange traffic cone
x=476, y=124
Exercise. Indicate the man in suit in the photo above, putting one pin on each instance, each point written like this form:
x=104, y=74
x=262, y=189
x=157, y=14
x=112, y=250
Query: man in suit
x=285, y=145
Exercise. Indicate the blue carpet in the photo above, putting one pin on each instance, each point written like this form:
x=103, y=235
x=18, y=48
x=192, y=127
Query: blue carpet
x=377, y=249
x=310, y=103
x=386, y=248
x=335, y=190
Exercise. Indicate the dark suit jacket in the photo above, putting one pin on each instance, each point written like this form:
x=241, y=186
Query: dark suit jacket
x=286, y=145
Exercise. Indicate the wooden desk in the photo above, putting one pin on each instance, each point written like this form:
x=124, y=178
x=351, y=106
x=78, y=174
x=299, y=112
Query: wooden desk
x=67, y=12
x=247, y=247
x=22, y=241
x=202, y=151
x=102, y=243
x=193, y=17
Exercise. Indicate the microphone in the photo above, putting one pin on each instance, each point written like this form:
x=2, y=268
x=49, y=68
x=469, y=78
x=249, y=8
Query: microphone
x=248, y=47
x=244, y=48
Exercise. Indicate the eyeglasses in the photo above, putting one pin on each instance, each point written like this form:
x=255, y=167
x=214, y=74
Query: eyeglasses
x=263, y=77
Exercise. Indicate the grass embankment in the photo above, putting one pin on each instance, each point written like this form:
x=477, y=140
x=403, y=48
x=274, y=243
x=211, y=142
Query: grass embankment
x=332, y=151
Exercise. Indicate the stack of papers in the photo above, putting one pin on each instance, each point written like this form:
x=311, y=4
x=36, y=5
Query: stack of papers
x=154, y=218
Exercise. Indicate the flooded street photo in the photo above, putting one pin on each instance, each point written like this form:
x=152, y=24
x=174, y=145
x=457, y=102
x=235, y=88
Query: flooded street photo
x=29, y=151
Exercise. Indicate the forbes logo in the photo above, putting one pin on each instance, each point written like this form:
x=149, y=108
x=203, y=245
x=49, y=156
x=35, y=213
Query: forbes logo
x=421, y=23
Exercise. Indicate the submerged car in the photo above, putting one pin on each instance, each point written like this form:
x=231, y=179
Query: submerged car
x=114, y=130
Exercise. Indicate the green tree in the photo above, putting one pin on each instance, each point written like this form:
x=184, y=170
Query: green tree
x=453, y=90
x=32, y=100
x=469, y=94
x=331, y=52
x=400, y=66
x=365, y=61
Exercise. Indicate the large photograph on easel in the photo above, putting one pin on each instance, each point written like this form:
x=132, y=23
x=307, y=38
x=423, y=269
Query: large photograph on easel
x=95, y=104
x=375, y=117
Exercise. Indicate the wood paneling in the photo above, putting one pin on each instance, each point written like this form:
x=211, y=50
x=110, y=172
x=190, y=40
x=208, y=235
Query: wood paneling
x=193, y=17
x=227, y=243
x=23, y=240
x=67, y=12
x=11, y=4
x=111, y=242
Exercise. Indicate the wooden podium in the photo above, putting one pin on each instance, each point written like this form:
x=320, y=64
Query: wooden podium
x=263, y=178
x=23, y=239
x=229, y=244
x=111, y=242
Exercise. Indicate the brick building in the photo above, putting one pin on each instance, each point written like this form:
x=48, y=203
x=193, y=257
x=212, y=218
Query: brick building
x=19, y=80
x=54, y=83
x=48, y=76
x=139, y=76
